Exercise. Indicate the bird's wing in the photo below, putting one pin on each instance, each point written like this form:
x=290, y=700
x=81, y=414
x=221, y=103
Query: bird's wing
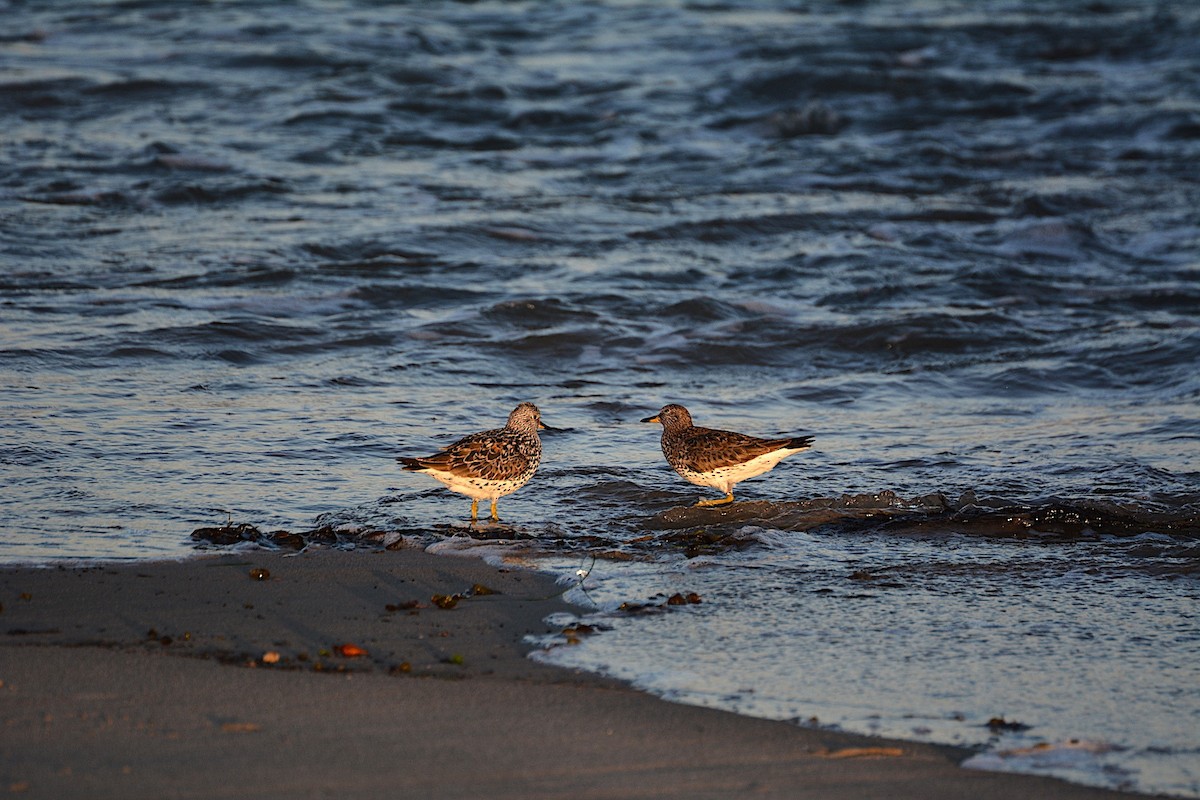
x=708, y=449
x=492, y=455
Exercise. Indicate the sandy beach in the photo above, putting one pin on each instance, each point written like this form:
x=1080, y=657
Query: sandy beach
x=337, y=674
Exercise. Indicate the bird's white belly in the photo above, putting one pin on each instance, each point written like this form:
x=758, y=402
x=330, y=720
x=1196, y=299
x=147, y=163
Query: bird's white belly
x=476, y=488
x=724, y=478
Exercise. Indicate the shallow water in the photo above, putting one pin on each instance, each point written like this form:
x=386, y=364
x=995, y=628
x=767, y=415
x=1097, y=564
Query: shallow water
x=926, y=637
x=251, y=254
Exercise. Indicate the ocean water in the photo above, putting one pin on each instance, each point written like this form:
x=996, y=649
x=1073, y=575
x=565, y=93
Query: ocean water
x=250, y=253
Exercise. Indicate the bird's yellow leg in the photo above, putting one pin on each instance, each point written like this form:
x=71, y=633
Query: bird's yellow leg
x=720, y=501
x=495, y=516
x=474, y=510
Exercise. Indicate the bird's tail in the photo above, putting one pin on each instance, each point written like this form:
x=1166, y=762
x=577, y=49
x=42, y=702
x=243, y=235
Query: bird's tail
x=800, y=442
x=411, y=463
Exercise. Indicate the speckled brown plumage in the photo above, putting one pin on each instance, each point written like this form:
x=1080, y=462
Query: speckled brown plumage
x=716, y=458
x=490, y=464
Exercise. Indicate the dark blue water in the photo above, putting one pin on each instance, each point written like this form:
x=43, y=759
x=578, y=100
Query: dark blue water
x=250, y=253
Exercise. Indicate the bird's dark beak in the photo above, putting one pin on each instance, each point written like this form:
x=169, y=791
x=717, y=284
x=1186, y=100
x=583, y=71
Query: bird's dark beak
x=546, y=427
x=651, y=419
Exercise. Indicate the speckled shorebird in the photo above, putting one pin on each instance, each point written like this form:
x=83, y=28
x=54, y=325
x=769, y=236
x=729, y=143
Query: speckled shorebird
x=491, y=464
x=719, y=459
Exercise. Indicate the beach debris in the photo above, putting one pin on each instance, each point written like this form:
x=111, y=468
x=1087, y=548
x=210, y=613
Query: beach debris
x=572, y=633
x=153, y=635
x=614, y=555
x=349, y=650
x=235, y=533
x=260, y=574
x=695, y=532
x=270, y=657
x=228, y=533
x=861, y=752
x=653, y=607
x=412, y=606
x=448, y=601
x=240, y=727
x=707, y=541
x=456, y=658
x=1000, y=724
x=403, y=668
x=639, y=608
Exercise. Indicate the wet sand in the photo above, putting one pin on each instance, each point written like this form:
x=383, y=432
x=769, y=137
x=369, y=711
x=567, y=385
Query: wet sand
x=204, y=679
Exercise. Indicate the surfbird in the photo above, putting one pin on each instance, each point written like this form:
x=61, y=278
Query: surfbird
x=491, y=464
x=715, y=458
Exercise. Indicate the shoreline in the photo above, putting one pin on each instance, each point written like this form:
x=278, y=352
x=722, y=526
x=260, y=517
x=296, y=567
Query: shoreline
x=338, y=674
